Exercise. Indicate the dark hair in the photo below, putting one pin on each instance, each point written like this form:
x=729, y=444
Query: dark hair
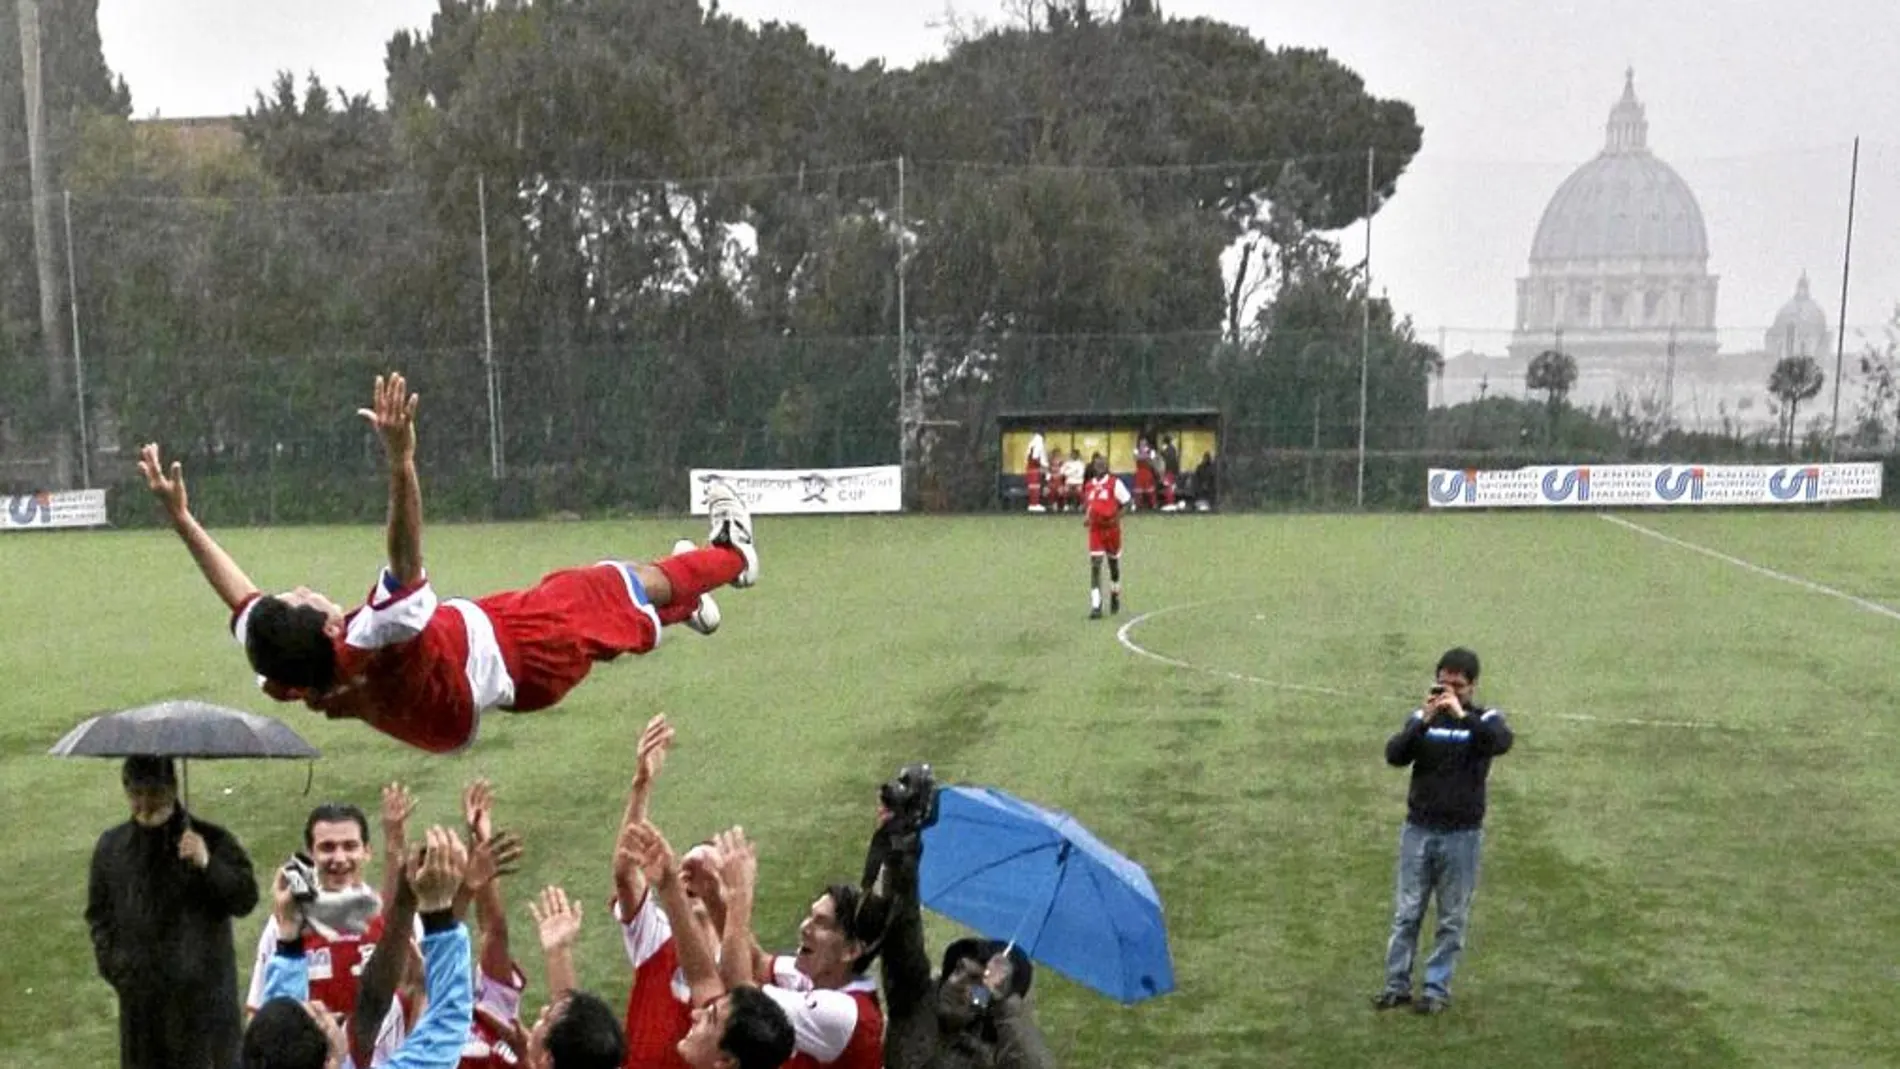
x=586, y=1035
x=1462, y=661
x=146, y=771
x=286, y=644
x=1022, y=972
x=861, y=918
x=334, y=813
x=758, y=1034
x=283, y=1036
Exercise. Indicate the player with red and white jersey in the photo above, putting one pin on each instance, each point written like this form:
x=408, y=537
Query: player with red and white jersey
x=841, y=1027
x=1035, y=469
x=1103, y=498
x=336, y=839
x=837, y=1018
x=423, y=669
x=660, y=1003
x=1146, y=465
x=337, y=960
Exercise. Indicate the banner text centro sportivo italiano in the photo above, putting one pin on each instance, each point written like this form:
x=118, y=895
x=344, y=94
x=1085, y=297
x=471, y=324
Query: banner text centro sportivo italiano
x=66, y=508
x=807, y=490
x=1609, y=485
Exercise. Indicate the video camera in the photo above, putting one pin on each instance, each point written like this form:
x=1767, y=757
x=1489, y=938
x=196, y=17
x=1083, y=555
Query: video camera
x=300, y=875
x=911, y=797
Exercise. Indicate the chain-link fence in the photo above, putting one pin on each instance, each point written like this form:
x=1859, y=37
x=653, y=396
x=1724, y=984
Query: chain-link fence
x=580, y=345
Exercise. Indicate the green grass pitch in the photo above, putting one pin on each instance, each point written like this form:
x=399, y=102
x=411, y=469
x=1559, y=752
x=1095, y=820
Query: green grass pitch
x=1690, y=858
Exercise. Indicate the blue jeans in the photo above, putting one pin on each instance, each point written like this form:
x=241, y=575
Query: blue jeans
x=1441, y=864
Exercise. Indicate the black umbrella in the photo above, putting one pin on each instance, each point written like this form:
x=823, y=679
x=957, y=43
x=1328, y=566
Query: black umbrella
x=185, y=729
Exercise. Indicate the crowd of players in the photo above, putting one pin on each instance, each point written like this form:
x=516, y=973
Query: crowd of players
x=348, y=975
x=1053, y=482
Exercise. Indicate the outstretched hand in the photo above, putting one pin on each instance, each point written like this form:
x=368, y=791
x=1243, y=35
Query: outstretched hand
x=557, y=920
x=169, y=488
x=654, y=743
x=392, y=412
x=642, y=846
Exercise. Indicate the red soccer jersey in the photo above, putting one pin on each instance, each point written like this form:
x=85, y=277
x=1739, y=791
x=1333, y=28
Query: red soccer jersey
x=1103, y=499
x=336, y=963
x=659, y=1008
x=402, y=666
x=497, y=1005
x=423, y=670
x=839, y=1029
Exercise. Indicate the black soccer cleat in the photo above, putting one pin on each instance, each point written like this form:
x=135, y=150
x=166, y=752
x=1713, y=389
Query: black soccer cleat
x=1095, y=613
x=1115, y=604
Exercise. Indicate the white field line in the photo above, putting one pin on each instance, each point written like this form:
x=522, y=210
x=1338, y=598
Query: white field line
x=1874, y=607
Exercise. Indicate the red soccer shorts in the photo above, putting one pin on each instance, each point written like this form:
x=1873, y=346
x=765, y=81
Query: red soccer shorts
x=553, y=633
x=1105, y=541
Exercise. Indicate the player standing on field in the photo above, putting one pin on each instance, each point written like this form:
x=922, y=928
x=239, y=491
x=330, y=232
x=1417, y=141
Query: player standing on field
x=1103, y=500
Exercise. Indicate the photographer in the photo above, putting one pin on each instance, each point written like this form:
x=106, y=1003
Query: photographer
x=1449, y=742
x=975, y=1014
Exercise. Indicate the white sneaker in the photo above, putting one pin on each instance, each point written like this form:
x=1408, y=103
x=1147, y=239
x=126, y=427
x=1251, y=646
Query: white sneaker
x=732, y=526
x=705, y=619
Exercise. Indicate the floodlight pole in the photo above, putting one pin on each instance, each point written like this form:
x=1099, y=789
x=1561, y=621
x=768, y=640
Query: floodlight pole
x=903, y=342
x=495, y=466
x=1365, y=335
x=1840, y=325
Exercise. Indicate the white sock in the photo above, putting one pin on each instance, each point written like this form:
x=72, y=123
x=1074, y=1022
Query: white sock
x=1095, y=597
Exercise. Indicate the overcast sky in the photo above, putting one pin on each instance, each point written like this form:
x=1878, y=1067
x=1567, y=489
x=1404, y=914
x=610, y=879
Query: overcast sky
x=1755, y=102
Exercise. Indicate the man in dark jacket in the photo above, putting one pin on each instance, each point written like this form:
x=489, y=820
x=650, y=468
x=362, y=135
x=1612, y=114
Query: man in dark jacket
x=975, y=1014
x=163, y=890
x=1449, y=742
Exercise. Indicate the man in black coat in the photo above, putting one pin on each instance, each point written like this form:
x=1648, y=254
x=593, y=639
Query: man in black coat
x=975, y=1013
x=163, y=890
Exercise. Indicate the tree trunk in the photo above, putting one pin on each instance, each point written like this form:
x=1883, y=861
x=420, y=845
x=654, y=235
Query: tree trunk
x=58, y=388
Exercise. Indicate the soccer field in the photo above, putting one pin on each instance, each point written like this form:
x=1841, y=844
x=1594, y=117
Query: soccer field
x=1689, y=859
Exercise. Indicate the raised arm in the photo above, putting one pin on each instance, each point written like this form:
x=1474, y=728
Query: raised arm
x=383, y=974
x=438, y=1036
x=392, y=412
x=906, y=960
x=398, y=805
x=559, y=922
x=494, y=855
x=223, y=573
x=738, y=875
x=630, y=884
x=650, y=850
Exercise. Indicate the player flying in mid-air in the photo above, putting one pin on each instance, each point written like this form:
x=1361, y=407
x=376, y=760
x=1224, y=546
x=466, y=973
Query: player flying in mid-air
x=423, y=670
x=1103, y=498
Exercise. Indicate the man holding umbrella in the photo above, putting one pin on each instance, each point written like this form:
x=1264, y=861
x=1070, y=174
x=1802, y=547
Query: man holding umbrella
x=163, y=890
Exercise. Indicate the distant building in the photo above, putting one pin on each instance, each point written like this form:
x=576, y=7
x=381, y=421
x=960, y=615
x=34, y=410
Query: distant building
x=1800, y=327
x=1619, y=266
x=1619, y=281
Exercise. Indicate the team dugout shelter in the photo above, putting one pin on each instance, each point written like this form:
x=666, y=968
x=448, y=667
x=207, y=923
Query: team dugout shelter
x=1196, y=432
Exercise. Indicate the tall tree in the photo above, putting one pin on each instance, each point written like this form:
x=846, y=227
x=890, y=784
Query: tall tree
x=1553, y=373
x=1794, y=381
x=72, y=82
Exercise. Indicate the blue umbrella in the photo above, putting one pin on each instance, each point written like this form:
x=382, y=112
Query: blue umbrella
x=1037, y=879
